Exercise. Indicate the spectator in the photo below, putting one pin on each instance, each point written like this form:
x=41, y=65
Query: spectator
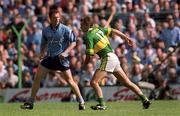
x=140, y=38
x=129, y=5
x=34, y=37
x=10, y=63
x=19, y=7
x=123, y=15
x=148, y=56
x=176, y=17
x=38, y=5
x=132, y=29
x=156, y=13
x=124, y=65
x=12, y=78
x=51, y=80
x=43, y=14
x=170, y=35
x=87, y=76
x=116, y=40
x=160, y=44
x=134, y=49
x=3, y=76
x=3, y=53
x=18, y=24
x=166, y=8
x=148, y=19
x=27, y=79
x=11, y=50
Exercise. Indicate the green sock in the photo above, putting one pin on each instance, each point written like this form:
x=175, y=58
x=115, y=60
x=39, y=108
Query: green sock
x=101, y=101
x=143, y=98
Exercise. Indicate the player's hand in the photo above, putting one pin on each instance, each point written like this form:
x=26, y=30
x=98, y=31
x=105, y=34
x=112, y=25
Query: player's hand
x=41, y=58
x=63, y=55
x=130, y=42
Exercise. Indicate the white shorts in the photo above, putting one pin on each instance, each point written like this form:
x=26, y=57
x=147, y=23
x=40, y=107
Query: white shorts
x=110, y=63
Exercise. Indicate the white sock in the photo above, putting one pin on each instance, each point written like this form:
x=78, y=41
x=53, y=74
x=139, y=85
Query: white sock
x=81, y=100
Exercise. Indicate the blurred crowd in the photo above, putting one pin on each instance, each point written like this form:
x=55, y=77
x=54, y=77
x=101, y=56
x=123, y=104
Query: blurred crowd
x=153, y=25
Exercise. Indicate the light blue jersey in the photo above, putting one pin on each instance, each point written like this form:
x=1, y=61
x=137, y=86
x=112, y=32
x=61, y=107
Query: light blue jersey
x=57, y=40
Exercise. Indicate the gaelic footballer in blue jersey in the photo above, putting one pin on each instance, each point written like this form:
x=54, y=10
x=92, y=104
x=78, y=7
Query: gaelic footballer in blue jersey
x=57, y=41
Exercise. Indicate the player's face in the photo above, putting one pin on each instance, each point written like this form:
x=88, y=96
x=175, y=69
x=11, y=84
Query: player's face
x=55, y=19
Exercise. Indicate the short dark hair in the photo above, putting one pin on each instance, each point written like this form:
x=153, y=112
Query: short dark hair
x=87, y=20
x=53, y=9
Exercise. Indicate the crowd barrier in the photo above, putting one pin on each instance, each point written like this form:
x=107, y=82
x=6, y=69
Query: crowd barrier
x=111, y=93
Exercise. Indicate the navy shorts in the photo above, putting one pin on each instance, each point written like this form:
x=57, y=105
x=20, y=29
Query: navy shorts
x=53, y=63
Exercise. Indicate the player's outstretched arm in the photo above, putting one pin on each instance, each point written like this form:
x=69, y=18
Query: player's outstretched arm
x=123, y=36
x=113, y=12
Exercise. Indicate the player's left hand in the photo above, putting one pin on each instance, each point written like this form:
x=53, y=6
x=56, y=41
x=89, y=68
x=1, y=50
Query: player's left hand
x=41, y=57
x=63, y=55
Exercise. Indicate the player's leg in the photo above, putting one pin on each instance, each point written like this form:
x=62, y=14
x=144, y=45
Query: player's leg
x=68, y=77
x=98, y=76
x=107, y=65
x=122, y=77
x=42, y=71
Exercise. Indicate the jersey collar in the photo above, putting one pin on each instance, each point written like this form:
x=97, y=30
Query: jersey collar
x=55, y=27
x=90, y=29
x=94, y=26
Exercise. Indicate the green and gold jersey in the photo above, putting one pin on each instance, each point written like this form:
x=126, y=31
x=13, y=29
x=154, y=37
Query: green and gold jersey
x=97, y=41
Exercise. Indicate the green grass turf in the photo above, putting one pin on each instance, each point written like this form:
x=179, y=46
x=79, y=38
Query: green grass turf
x=123, y=108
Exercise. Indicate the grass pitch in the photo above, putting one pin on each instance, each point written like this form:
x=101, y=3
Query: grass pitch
x=123, y=108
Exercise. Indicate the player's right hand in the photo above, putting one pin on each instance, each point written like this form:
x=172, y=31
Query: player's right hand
x=130, y=42
x=41, y=58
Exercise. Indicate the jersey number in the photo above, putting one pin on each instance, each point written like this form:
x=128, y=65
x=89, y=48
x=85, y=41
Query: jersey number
x=100, y=34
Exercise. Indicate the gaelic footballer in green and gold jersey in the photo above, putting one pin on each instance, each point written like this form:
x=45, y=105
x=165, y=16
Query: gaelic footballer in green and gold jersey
x=97, y=41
